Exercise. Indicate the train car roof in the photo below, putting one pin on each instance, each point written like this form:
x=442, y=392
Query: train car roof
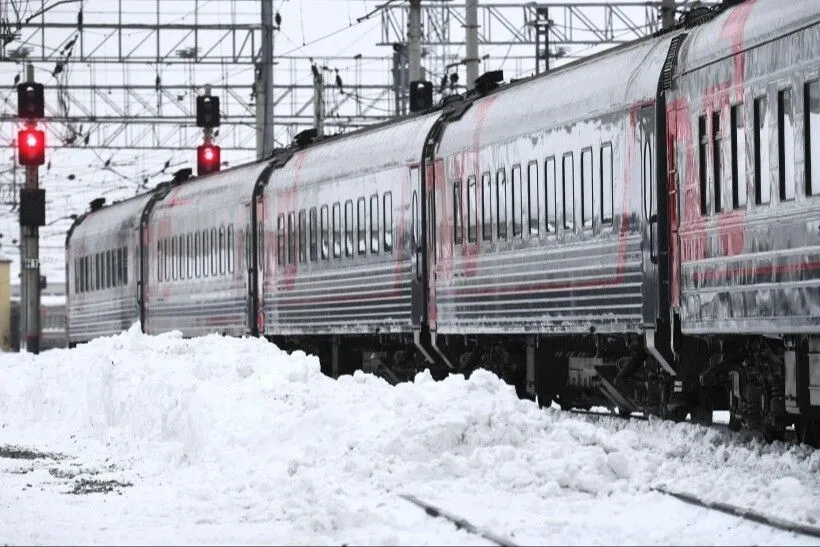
x=119, y=216
x=621, y=76
x=744, y=26
x=399, y=142
x=234, y=185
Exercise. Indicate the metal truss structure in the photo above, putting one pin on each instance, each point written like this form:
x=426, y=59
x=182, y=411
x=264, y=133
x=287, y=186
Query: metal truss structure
x=122, y=76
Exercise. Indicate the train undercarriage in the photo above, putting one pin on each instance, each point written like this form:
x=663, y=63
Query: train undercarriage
x=765, y=384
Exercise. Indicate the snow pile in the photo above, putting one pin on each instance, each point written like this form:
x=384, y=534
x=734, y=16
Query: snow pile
x=237, y=432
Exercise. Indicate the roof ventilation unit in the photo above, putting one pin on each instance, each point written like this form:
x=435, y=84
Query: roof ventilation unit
x=489, y=81
x=304, y=138
x=97, y=204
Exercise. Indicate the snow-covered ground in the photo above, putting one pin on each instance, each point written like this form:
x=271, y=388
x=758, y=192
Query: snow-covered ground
x=226, y=441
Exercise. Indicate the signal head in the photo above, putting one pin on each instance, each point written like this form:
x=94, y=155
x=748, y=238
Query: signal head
x=31, y=147
x=207, y=159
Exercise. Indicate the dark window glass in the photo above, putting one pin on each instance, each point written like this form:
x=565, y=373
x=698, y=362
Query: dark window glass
x=458, y=236
x=703, y=144
x=738, y=137
x=587, y=205
x=550, y=189
x=607, y=184
x=361, y=221
x=517, y=202
x=337, y=230
x=388, y=222
x=763, y=182
x=501, y=203
x=374, y=224
x=313, y=234
x=811, y=126
x=568, y=172
x=785, y=131
x=487, y=207
x=471, y=210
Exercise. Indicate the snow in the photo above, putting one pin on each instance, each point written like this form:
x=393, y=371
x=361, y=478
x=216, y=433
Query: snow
x=220, y=440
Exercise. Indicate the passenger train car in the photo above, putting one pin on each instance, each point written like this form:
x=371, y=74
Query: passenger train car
x=638, y=229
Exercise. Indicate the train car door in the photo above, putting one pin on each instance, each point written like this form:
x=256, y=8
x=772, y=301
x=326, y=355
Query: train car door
x=418, y=285
x=646, y=148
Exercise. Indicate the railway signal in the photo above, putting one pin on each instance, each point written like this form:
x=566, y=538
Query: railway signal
x=208, y=154
x=31, y=152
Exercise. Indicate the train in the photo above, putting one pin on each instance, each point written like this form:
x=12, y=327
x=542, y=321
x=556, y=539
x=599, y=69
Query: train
x=637, y=229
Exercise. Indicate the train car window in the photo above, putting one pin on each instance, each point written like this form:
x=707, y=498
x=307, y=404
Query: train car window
x=550, y=189
x=118, y=281
x=811, y=127
x=785, y=140
x=487, y=206
x=197, y=253
x=649, y=173
x=361, y=219
x=587, y=205
x=230, y=248
x=302, y=236
x=374, y=224
x=337, y=230
x=313, y=234
x=280, y=240
x=214, y=256
x=607, y=184
x=76, y=276
x=99, y=273
x=717, y=161
x=388, y=222
x=108, y=269
x=738, y=136
x=568, y=174
x=167, y=259
x=174, y=256
x=533, y=214
x=501, y=202
x=222, y=251
x=703, y=143
x=325, y=223
x=125, y=265
x=458, y=234
x=471, y=210
x=181, y=256
x=431, y=219
x=88, y=273
x=517, y=202
x=291, y=238
x=763, y=184
x=206, y=253
x=159, y=260
x=349, y=227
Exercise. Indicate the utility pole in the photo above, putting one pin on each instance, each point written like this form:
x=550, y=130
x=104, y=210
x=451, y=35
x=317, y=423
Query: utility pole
x=667, y=13
x=31, y=149
x=318, y=104
x=414, y=40
x=542, y=37
x=471, y=60
x=266, y=77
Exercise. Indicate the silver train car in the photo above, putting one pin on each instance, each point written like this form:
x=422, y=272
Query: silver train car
x=636, y=230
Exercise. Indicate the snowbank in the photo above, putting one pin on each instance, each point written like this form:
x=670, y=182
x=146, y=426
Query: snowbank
x=223, y=423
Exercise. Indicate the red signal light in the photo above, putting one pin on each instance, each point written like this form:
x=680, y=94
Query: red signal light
x=31, y=146
x=207, y=159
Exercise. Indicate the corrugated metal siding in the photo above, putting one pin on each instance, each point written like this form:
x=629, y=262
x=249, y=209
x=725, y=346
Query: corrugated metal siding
x=359, y=299
x=546, y=288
